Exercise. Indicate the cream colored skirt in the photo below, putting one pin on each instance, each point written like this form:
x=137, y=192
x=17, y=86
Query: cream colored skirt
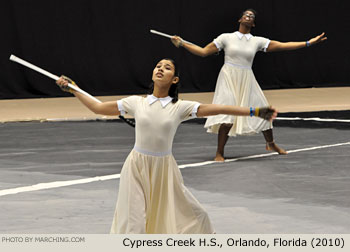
x=238, y=87
x=152, y=199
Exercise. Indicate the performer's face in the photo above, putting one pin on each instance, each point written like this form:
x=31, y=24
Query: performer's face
x=164, y=73
x=247, y=18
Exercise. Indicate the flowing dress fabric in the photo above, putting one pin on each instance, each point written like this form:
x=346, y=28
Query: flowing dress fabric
x=236, y=84
x=152, y=197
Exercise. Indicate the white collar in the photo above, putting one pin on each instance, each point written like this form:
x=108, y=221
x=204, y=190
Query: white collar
x=240, y=35
x=164, y=101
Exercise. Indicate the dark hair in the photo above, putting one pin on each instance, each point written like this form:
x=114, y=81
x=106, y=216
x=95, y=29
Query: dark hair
x=174, y=89
x=252, y=10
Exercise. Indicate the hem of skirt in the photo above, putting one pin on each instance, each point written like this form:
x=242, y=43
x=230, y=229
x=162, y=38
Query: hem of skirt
x=246, y=133
x=217, y=123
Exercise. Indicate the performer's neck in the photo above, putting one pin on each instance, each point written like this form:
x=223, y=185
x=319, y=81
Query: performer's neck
x=160, y=93
x=244, y=29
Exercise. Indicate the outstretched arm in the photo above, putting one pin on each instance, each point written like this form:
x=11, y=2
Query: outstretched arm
x=194, y=49
x=267, y=113
x=275, y=46
x=104, y=108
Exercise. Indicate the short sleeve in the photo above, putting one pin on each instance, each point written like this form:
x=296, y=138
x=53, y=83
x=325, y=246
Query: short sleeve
x=128, y=105
x=263, y=43
x=220, y=42
x=188, y=109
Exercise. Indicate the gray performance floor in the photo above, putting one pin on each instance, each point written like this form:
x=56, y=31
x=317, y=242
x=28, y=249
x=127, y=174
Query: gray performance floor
x=307, y=191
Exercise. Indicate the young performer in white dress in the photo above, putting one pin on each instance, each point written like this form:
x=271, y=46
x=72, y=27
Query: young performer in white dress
x=152, y=197
x=236, y=84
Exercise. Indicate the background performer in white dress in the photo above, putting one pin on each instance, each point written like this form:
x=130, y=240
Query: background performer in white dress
x=152, y=197
x=236, y=84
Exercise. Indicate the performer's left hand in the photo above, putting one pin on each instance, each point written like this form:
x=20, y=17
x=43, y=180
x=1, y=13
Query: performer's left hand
x=267, y=113
x=318, y=39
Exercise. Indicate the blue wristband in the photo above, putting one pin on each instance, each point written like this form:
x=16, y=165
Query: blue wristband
x=308, y=43
x=252, y=111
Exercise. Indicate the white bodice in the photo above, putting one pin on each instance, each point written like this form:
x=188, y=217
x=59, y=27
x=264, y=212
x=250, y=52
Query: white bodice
x=240, y=49
x=156, y=124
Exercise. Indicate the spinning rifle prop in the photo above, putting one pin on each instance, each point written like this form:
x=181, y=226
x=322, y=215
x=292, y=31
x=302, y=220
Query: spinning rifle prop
x=167, y=36
x=55, y=77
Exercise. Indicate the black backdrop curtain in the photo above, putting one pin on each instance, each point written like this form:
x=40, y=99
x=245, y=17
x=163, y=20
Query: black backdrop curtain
x=106, y=46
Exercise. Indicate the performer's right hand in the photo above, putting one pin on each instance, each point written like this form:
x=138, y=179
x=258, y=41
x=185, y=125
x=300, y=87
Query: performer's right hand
x=63, y=81
x=177, y=41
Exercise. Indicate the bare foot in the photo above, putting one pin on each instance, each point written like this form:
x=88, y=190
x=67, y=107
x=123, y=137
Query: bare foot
x=274, y=147
x=219, y=158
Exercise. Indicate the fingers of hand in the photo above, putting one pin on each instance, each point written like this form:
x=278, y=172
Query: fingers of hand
x=264, y=113
x=67, y=79
x=175, y=41
x=61, y=82
x=269, y=113
x=320, y=37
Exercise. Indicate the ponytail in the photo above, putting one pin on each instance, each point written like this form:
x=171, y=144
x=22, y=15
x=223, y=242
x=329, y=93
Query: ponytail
x=174, y=92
